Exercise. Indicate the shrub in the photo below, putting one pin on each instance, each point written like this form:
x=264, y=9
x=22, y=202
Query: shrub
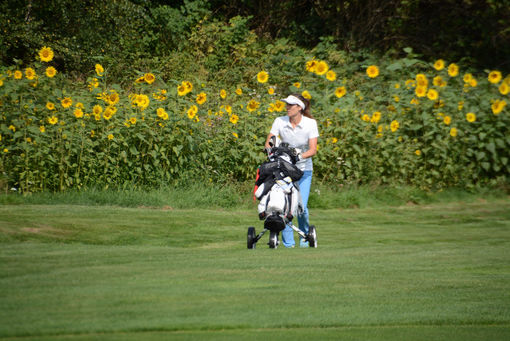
x=381, y=120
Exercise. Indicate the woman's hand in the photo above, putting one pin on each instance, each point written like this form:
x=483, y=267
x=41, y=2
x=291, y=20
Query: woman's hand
x=266, y=145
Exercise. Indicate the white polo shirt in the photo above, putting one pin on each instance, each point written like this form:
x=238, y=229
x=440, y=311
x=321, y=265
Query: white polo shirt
x=297, y=137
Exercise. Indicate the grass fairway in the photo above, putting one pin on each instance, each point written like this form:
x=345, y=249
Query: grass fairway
x=435, y=272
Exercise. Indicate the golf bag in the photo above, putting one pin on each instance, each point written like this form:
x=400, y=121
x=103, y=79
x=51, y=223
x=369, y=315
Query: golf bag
x=277, y=188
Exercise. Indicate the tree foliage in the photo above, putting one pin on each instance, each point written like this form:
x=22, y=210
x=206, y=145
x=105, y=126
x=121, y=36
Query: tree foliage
x=129, y=31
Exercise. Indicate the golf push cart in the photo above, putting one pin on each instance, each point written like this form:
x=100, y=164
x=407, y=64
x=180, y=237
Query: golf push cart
x=277, y=189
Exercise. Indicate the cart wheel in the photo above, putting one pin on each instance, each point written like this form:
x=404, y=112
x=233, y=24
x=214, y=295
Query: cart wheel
x=312, y=236
x=273, y=240
x=250, y=238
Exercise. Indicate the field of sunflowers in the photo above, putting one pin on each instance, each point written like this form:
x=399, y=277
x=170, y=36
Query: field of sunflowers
x=405, y=121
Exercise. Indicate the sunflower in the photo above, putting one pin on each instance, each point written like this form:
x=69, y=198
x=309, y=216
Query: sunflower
x=279, y=106
x=394, y=126
x=467, y=78
x=504, y=88
x=321, y=68
x=494, y=77
x=252, y=105
x=97, y=109
x=51, y=71
x=109, y=112
x=94, y=83
x=46, y=54
x=193, y=109
x=142, y=101
x=18, y=74
x=420, y=91
x=453, y=70
x=99, y=70
x=78, y=113
x=181, y=90
x=331, y=75
x=239, y=91
x=52, y=120
x=50, y=106
x=270, y=91
x=191, y=113
x=306, y=95
x=340, y=92
x=262, y=76
x=149, y=78
x=311, y=65
x=188, y=85
x=201, y=98
x=235, y=135
x=417, y=152
x=160, y=112
x=372, y=71
x=30, y=73
x=297, y=84
x=376, y=117
x=365, y=118
x=473, y=83
x=437, y=81
x=223, y=94
x=42, y=129
x=439, y=64
x=498, y=106
x=432, y=94
x=233, y=119
x=410, y=83
x=66, y=102
x=110, y=137
x=112, y=98
x=132, y=120
x=453, y=132
x=421, y=80
x=470, y=117
x=447, y=120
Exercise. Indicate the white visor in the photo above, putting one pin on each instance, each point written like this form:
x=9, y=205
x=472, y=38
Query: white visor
x=294, y=100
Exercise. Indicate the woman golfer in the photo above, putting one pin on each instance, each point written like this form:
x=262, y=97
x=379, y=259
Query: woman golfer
x=299, y=130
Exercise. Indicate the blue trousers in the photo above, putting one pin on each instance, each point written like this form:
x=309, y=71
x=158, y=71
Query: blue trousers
x=304, y=188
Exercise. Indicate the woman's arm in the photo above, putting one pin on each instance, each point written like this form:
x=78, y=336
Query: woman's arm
x=312, y=148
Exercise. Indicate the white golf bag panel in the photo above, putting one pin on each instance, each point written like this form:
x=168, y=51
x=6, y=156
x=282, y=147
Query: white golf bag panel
x=283, y=199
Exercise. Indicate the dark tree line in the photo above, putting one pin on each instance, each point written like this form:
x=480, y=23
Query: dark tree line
x=475, y=31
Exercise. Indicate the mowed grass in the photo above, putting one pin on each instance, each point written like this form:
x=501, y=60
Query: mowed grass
x=412, y=272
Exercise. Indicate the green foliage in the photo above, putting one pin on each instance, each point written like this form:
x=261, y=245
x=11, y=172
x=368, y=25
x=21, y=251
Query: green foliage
x=124, y=33
x=152, y=131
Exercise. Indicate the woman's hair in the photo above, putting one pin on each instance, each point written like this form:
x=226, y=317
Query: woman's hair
x=306, y=111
